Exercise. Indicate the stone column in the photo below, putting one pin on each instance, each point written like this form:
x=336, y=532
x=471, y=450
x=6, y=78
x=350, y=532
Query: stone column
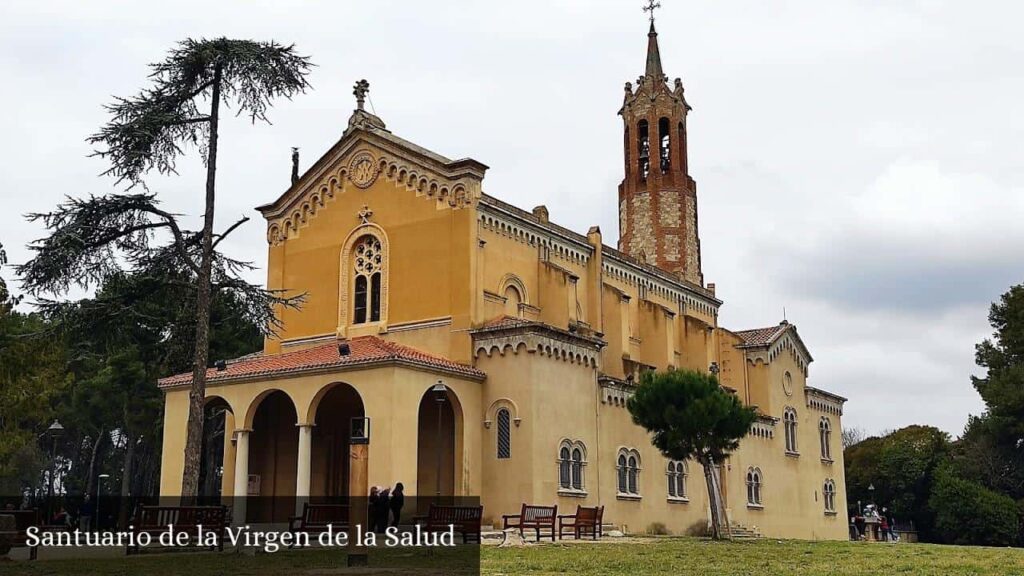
x=241, y=475
x=303, y=466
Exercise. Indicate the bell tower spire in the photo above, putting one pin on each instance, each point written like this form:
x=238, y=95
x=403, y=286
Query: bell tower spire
x=657, y=197
x=653, y=54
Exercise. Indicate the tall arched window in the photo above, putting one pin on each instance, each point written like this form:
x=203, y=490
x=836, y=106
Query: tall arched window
x=564, y=466
x=504, y=434
x=829, y=493
x=664, y=144
x=677, y=473
x=367, y=264
x=628, y=472
x=577, y=468
x=789, y=422
x=754, y=487
x=825, y=434
x=634, y=472
x=643, y=146
x=572, y=458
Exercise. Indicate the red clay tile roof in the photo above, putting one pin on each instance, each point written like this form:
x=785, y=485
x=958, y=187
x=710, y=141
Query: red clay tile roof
x=761, y=336
x=365, y=350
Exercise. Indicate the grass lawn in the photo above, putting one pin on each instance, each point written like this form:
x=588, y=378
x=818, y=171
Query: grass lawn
x=636, y=557
x=686, y=556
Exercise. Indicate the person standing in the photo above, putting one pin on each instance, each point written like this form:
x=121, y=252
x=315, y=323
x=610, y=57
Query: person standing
x=85, y=514
x=380, y=522
x=372, y=506
x=397, y=502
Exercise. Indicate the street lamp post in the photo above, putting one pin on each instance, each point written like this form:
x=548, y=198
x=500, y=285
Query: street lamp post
x=99, y=500
x=440, y=396
x=55, y=431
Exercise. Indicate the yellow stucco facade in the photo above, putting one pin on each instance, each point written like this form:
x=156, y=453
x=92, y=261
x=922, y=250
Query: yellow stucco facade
x=393, y=242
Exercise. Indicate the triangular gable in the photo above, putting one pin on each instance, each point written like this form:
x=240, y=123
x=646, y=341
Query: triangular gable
x=767, y=344
x=365, y=153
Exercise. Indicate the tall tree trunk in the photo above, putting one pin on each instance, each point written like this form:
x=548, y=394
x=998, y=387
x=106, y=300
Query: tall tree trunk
x=723, y=513
x=197, y=396
x=719, y=528
x=90, y=483
x=126, y=481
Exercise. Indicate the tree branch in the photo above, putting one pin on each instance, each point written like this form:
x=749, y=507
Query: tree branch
x=179, y=239
x=224, y=235
x=189, y=121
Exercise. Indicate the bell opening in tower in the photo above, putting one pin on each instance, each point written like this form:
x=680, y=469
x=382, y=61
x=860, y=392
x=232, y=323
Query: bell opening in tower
x=644, y=148
x=664, y=145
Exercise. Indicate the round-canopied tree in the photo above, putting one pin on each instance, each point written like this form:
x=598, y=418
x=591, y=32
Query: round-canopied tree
x=691, y=417
x=92, y=238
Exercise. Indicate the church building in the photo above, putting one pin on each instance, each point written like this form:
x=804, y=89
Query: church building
x=492, y=351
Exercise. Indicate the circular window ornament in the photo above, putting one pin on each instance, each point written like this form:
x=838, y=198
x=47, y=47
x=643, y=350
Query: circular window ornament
x=787, y=384
x=363, y=169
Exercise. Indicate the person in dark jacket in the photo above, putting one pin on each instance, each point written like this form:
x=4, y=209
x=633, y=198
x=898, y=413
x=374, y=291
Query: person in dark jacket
x=372, y=507
x=380, y=521
x=397, y=502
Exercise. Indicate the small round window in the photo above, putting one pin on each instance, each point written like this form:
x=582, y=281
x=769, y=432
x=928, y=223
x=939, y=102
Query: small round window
x=787, y=383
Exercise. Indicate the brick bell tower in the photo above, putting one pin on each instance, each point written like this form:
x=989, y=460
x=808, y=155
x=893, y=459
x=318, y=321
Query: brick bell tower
x=657, y=198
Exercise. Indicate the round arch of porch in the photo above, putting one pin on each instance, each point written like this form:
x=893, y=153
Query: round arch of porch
x=273, y=456
x=440, y=445
x=330, y=414
x=217, y=451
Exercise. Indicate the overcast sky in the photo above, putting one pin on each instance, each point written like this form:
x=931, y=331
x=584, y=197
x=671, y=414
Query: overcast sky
x=858, y=162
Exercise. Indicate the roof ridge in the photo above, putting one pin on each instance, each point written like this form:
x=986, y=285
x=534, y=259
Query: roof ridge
x=363, y=350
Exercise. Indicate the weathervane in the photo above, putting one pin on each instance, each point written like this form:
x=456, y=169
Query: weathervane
x=360, y=90
x=651, y=7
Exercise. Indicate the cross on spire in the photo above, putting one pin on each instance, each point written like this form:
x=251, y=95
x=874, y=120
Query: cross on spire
x=360, y=90
x=651, y=7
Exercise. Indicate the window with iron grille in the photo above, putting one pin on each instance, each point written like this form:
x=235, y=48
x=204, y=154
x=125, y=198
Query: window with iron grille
x=504, y=434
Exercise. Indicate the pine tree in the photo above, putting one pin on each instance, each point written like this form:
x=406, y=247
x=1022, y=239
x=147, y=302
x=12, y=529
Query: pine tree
x=90, y=238
x=692, y=417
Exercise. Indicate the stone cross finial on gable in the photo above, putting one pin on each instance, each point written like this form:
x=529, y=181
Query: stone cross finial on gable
x=360, y=90
x=365, y=214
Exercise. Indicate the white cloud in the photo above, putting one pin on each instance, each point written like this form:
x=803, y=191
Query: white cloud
x=858, y=162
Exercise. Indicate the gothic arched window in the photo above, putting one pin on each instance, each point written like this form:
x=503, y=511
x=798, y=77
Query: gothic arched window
x=577, y=468
x=677, y=479
x=825, y=434
x=564, y=466
x=368, y=268
x=628, y=466
x=504, y=434
x=753, y=486
x=789, y=422
x=572, y=458
x=829, y=493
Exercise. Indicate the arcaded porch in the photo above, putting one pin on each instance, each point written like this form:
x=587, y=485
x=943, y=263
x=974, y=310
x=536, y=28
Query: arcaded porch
x=284, y=423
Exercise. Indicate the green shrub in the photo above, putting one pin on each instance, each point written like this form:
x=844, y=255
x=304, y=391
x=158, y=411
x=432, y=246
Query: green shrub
x=970, y=514
x=699, y=529
x=657, y=529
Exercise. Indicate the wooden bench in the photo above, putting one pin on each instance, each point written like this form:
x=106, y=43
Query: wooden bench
x=319, y=518
x=465, y=520
x=532, y=517
x=155, y=520
x=23, y=520
x=584, y=520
